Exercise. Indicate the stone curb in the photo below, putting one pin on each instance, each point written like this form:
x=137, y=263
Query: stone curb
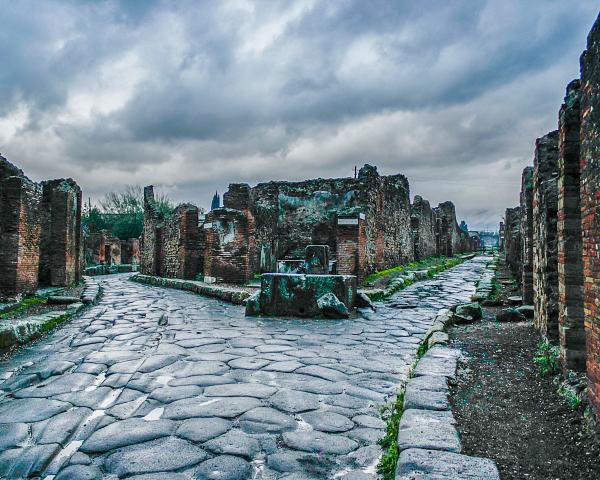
x=231, y=295
x=110, y=269
x=23, y=330
x=484, y=287
x=91, y=291
x=428, y=441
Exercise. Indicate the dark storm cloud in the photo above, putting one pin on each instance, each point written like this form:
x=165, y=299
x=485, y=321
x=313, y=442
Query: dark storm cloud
x=192, y=95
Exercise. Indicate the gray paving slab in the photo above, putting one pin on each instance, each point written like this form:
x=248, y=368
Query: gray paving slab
x=210, y=390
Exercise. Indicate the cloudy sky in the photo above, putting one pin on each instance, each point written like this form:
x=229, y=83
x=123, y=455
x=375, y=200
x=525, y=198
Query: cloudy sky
x=193, y=95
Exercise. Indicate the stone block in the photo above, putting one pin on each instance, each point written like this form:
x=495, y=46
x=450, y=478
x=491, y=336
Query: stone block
x=298, y=295
x=437, y=465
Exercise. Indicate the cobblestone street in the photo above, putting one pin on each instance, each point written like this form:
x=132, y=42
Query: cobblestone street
x=154, y=380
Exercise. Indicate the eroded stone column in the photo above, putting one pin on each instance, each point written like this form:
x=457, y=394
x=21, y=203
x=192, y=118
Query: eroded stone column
x=527, y=235
x=570, y=269
x=545, y=245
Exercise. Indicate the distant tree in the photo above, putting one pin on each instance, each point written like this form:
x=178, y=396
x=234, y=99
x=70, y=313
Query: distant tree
x=123, y=211
x=216, y=201
x=92, y=220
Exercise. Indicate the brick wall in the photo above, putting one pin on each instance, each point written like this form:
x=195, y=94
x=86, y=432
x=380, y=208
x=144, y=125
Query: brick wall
x=545, y=246
x=570, y=268
x=526, y=225
x=113, y=250
x=226, y=256
x=19, y=233
x=60, y=243
x=590, y=207
x=130, y=251
x=423, y=228
x=95, y=248
x=285, y=217
x=351, y=242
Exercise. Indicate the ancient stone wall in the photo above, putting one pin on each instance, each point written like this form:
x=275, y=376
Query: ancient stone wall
x=512, y=240
x=170, y=246
x=570, y=262
x=95, y=248
x=286, y=216
x=422, y=224
x=60, y=243
x=545, y=248
x=112, y=250
x=40, y=232
x=526, y=225
x=351, y=243
x=449, y=237
x=590, y=207
x=130, y=251
x=19, y=231
x=179, y=243
x=151, y=248
x=226, y=256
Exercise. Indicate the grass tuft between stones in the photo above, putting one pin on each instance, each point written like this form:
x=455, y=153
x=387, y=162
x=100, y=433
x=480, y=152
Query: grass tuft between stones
x=547, y=358
x=391, y=414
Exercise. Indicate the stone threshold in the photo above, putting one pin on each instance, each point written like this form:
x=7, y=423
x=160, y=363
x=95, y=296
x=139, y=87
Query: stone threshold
x=428, y=441
x=229, y=294
x=20, y=331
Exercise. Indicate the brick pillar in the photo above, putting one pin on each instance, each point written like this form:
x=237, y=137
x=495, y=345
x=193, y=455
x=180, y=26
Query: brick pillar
x=527, y=235
x=19, y=235
x=60, y=244
x=590, y=208
x=351, y=246
x=570, y=268
x=545, y=247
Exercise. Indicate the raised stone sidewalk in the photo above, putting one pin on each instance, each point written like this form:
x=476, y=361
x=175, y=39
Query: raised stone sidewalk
x=428, y=441
x=230, y=294
x=23, y=330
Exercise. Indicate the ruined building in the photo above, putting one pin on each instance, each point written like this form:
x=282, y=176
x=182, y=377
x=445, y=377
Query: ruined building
x=40, y=232
x=102, y=248
x=367, y=222
x=559, y=258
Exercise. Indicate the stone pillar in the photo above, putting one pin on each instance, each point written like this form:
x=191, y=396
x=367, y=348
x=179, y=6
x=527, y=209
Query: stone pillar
x=527, y=235
x=150, y=255
x=590, y=208
x=570, y=268
x=60, y=244
x=19, y=235
x=545, y=247
x=512, y=239
x=351, y=245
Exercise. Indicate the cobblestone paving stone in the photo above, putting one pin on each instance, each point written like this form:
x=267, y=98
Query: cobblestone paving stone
x=205, y=393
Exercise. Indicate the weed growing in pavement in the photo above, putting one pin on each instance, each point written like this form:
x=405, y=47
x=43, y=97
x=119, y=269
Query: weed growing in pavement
x=569, y=396
x=391, y=414
x=546, y=358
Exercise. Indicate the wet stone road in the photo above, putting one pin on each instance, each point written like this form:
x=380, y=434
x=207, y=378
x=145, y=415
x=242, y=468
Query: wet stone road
x=162, y=384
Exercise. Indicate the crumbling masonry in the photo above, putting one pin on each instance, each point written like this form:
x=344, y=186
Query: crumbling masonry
x=40, y=232
x=367, y=223
x=560, y=226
